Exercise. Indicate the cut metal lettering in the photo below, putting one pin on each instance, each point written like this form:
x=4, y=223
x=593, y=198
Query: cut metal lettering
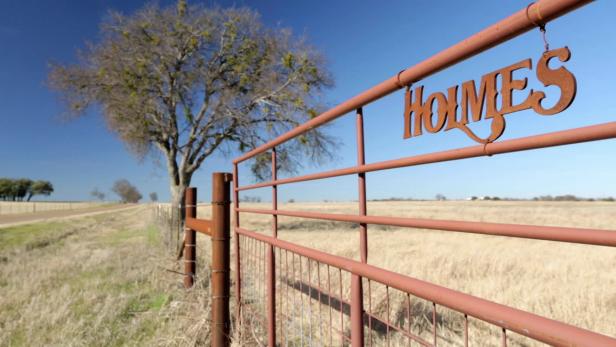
x=440, y=110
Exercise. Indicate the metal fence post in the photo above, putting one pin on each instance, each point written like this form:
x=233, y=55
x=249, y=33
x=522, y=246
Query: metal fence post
x=238, y=270
x=357, y=291
x=221, y=249
x=357, y=312
x=271, y=263
x=190, y=239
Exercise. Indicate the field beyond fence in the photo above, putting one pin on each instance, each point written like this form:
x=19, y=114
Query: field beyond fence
x=571, y=283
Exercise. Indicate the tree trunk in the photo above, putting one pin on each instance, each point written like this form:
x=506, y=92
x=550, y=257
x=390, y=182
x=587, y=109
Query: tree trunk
x=179, y=180
x=177, y=216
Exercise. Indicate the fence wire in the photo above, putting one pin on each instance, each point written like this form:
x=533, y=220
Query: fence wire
x=313, y=308
x=168, y=219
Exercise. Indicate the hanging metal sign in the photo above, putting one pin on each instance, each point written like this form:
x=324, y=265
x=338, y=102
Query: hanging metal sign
x=476, y=105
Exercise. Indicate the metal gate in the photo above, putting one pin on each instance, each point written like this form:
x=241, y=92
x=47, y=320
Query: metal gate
x=301, y=296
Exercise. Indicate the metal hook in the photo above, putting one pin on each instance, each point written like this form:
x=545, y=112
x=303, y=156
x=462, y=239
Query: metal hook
x=545, y=40
x=541, y=24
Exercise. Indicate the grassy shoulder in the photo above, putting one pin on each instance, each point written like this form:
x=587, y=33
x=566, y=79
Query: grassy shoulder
x=30, y=235
x=92, y=281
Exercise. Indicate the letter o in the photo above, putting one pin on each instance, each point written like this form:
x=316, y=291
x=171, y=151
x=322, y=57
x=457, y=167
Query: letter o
x=441, y=112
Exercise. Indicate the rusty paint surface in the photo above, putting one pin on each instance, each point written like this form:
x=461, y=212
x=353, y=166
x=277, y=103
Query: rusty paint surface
x=203, y=226
x=476, y=103
x=221, y=262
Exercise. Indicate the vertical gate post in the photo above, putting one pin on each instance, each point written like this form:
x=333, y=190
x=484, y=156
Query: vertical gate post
x=357, y=312
x=190, y=238
x=357, y=292
x=238, y=270
x=221, y=253
x=271, y=263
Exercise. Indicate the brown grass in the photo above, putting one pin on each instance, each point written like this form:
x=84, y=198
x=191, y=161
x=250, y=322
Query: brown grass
x=96, y=281
x=102, y=280
x=572, y=283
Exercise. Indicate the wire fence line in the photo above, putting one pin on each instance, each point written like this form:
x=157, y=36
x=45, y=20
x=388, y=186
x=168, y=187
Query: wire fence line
x=169, y=220
x=23, y=207
x=170, y=225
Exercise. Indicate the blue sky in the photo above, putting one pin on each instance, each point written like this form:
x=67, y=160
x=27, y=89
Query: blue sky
x=365, y=42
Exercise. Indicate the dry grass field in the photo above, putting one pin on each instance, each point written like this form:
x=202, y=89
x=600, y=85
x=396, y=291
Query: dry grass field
x=572, y=283
x=96, y=281
x=103, y=280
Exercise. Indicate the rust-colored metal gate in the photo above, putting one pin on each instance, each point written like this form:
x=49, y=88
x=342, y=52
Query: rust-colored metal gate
x=301, y=296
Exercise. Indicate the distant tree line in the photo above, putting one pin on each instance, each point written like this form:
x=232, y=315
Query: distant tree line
x=441, y=197
x=493, y=198
x=21, y=189
x=392, y=198
x=569, y=197
x=566, y=197
x=250, y=199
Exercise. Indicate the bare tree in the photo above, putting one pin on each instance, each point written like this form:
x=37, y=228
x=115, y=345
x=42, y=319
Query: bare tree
x=126, y=191
x=97, y=194
x=193, y=81
x=153, y=196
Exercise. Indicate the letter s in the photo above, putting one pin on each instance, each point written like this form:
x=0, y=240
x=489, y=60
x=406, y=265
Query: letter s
x=560, y=77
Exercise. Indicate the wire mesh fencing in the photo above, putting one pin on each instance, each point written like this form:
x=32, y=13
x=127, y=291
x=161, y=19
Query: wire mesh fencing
x=313, y=308
x=168, y=219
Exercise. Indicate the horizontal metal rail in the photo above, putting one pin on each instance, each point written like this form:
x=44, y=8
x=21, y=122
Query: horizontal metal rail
x=203, y=226
x=559, y=138
x=530, y=17
x=536, y=327
x=563, y=234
